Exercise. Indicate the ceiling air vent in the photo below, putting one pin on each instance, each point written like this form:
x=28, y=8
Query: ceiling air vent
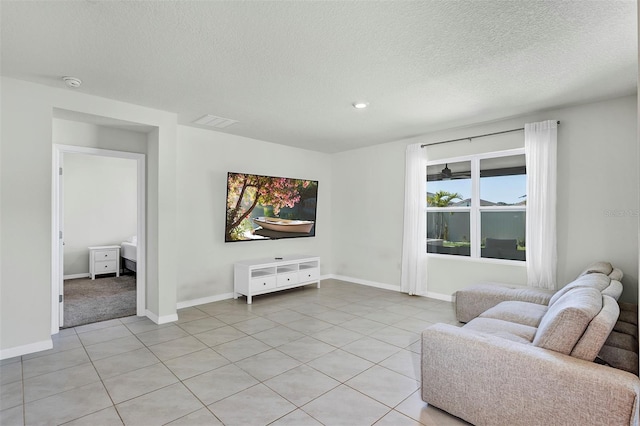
x=213, y=121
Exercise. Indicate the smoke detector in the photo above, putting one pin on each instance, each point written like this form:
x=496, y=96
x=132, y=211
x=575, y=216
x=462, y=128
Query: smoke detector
x=72, y=82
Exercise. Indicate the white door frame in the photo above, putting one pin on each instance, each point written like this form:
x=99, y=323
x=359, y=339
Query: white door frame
x=58, y=224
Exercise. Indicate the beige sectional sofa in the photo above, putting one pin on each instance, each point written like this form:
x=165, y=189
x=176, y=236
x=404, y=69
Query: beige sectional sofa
x=526, y=356
x=474, y=300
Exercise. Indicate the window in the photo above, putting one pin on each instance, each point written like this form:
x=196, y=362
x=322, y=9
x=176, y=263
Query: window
x=449, y=208
x=476, y=206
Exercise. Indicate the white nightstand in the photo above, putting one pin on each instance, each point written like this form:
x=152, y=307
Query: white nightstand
x=104, y=260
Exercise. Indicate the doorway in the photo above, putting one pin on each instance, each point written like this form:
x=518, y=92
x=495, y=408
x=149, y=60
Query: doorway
x=87, y=291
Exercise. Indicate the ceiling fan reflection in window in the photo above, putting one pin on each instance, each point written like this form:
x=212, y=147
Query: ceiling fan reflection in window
x=448, y=174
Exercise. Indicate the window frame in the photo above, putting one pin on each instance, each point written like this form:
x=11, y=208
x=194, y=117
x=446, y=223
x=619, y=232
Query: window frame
x=475, y=210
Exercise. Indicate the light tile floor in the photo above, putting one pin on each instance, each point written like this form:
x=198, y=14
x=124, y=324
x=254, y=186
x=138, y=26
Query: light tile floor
x=344, y=354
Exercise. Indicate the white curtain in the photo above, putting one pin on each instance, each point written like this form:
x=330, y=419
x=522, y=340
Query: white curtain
x=414, y=241
x=540, y=141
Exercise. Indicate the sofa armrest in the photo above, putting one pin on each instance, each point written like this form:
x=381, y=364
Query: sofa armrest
x=472, y=301
x=487, y=380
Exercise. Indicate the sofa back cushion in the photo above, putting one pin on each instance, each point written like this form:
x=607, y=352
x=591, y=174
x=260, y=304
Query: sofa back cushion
x=614, y=290
x=597, y=331
x=616, y=274
x=567, y=319
x=597, y=267
x=595, y=280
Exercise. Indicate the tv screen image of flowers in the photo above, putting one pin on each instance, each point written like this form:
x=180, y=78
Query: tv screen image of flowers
x=268, y=207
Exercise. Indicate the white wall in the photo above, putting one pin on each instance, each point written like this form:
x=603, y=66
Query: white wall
x=205, y=261
x=25, y=196
x=88, y=135
x=368, y=199
x=25, y=248
x=100, y=196
x=597, y=199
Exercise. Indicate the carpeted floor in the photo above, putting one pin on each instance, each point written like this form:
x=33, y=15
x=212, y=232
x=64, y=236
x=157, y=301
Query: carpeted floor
x=87, y=301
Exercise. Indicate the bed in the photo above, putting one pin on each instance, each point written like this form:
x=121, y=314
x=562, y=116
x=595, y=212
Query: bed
x=128, y=252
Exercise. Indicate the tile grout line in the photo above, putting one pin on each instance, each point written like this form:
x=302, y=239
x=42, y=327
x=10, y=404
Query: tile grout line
x=101, y=382
x=263, y=315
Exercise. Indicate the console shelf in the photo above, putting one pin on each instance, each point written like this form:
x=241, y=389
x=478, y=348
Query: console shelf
x=261, y=276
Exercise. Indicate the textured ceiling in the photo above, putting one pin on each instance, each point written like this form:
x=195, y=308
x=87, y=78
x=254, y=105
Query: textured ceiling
x=289, y=71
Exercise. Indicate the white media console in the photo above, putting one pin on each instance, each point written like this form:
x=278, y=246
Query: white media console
x=261, y=276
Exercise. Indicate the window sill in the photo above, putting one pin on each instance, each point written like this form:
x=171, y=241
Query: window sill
x=506, y=262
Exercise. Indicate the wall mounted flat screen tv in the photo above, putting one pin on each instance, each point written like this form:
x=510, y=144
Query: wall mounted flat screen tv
x=269, y=207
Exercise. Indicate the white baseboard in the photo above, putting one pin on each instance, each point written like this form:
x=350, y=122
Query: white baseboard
x=226, y=296
x=26, y=349
x=438, y=296
x=74, y=276
x=204, y=300
x=161, y=319
x=363, y=282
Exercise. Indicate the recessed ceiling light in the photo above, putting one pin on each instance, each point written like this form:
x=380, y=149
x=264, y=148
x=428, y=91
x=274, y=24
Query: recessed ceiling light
x=72, y=82
x=360, y=105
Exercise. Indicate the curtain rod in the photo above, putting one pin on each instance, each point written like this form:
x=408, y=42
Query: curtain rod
x=474, y=137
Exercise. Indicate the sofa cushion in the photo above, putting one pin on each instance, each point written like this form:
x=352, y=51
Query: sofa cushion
x=597, y=331
x=614, y=290
x=629, y=316
x=621, y=348
x=476, y=299
x=623, y=341
x=626, y=328
x=616, y=274
x=505, y=329
x=524, y=313
x=597, y=267
x=630, y=307
x=567, y=319
x=595, y=280
x=620, y=358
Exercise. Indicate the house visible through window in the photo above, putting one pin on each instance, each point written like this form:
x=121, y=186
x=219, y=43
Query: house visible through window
x=476, y=206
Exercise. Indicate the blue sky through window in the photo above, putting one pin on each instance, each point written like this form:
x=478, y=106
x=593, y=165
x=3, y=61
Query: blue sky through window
x=505, y=189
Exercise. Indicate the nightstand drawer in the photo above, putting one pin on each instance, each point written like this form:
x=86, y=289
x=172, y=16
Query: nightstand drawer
x=105, y=266
x=101, y=255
